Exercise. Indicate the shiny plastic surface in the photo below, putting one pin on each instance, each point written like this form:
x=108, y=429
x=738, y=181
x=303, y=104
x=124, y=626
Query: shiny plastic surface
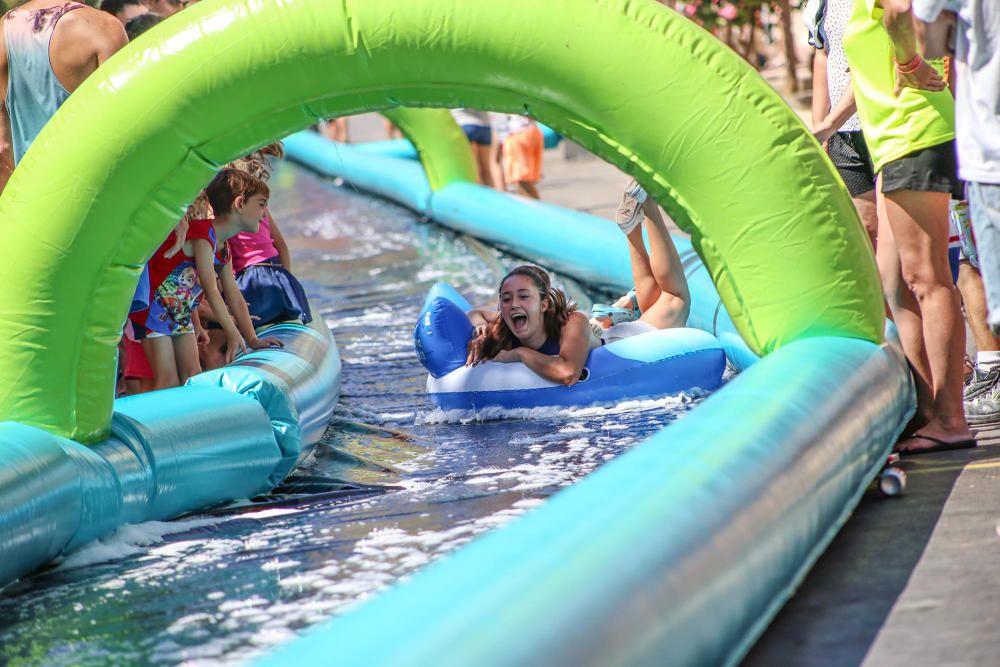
x=403, y=181
x=441, y=336
x=439, y=142
x=230, y=433
x=170, y=452
x=297, y=385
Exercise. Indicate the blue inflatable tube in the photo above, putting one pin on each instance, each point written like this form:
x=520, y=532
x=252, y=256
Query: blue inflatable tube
x=230, y=433
x=653, y=364
x=397, y=179
x=404, y=149
x=677, y=552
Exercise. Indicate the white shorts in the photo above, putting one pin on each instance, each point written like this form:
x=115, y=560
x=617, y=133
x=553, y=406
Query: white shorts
x=626, y=330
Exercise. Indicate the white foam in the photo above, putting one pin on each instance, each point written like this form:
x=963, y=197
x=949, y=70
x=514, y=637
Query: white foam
x=439, y=416
x=129, y=540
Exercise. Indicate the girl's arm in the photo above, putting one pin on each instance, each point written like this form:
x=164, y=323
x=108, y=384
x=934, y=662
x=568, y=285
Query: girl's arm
x=200, y=335
x=574, y=347
x=834, y=120
x=821, y=89
x=279, y=244
x=238, y=305
x=204, y=262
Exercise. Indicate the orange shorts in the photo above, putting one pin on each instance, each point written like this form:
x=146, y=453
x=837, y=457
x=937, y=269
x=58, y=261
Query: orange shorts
x=522, y=156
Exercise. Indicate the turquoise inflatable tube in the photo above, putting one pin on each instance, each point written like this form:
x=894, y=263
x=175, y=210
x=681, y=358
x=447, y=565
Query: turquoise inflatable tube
x=168, y=453
x=397, y=179
x=231, y=433
x=404, y=148
x=678, y=552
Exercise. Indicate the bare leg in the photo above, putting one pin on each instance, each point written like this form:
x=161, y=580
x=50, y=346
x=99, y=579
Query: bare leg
x=663, y=257
x=160, y=352
x=647, y=290
x=919, y=222
x=528, y=188
x=903, y=310
x=482, y=155
x=673, y=304
x=660, y=286
x=186, y=355
x=970, y=284
x=496, y=165
x=867, y=211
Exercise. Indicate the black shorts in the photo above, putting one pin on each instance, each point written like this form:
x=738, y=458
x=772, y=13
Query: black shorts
x=849, y=154
x=933, y=169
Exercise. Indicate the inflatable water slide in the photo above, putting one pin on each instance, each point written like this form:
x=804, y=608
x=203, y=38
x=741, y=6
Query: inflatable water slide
x=705, y=529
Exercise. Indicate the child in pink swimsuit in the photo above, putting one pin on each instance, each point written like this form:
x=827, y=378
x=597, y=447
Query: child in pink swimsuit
x=261, y=262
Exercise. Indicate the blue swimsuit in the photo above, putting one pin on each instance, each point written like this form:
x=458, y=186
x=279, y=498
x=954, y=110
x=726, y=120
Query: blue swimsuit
x=550, y=347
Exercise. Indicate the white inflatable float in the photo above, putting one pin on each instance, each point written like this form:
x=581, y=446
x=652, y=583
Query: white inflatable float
x=657, y=363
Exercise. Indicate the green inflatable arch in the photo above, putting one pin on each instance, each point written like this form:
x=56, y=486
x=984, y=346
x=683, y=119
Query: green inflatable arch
x=441, y=144
x=110, y=174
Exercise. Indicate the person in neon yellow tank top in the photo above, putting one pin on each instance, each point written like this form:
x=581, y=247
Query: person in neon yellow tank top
x=907, y=115
x=902, y=124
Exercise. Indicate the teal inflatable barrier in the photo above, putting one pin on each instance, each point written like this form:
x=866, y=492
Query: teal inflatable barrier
x=676, y=553
x=230, y=433
x=401, y=180
x=169, y=452
x=403, y=148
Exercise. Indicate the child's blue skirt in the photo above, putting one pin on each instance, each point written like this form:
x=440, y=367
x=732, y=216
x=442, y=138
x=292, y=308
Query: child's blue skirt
x=273, y=294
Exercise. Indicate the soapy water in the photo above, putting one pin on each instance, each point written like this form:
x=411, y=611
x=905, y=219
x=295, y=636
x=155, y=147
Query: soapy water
x=417, y=481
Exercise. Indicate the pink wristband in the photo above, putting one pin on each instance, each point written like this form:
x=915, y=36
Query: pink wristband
x=909, y=67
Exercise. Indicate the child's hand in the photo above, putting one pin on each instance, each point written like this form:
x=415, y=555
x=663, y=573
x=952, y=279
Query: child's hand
x=180, y=236
x=201, y=337
x=235, y=346
x=475, y=355
x=261, y=343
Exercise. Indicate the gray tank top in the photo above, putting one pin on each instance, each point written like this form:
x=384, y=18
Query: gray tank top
x=33, y=91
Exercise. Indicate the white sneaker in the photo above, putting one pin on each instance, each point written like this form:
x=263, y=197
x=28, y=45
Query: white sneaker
x=629, y=213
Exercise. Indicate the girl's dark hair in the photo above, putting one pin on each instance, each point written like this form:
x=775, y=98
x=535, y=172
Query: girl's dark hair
x=499, y=337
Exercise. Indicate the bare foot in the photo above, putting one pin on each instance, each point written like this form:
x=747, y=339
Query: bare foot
x=927, y=443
